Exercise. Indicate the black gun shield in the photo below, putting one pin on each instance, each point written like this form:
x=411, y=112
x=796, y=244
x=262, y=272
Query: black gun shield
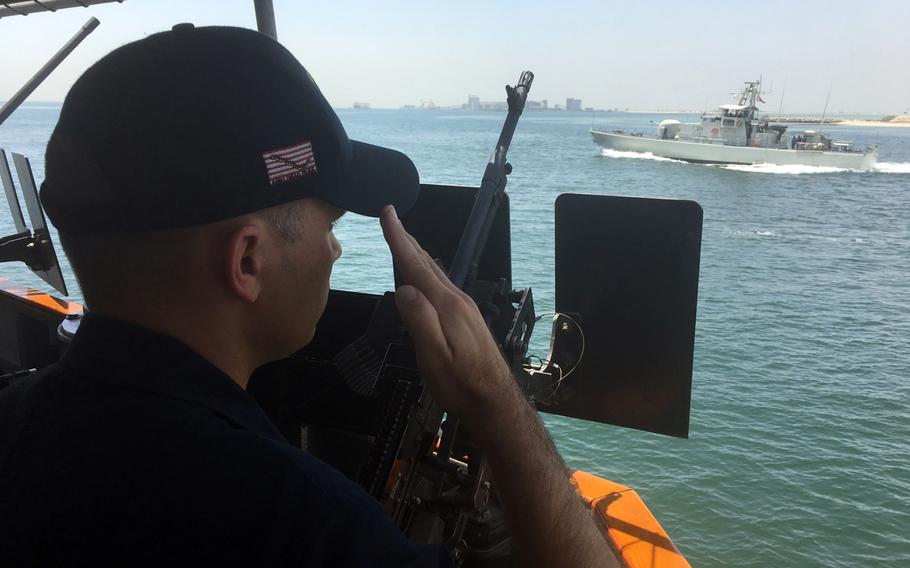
x=6, y=179
x=438, y=219
x=52, y=275
x=627, y=270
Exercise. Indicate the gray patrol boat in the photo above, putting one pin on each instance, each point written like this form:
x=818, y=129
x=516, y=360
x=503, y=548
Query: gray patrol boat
x=738, y=134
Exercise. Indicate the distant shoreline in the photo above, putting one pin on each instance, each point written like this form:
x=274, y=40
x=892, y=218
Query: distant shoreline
x=894, y=121
x=902, y=121
x=887, y=124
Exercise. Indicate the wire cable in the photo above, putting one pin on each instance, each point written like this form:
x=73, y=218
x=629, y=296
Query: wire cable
x=580, y=331
x=547, y=362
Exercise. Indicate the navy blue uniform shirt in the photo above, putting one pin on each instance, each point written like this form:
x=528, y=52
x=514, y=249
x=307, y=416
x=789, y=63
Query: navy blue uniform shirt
x=133, y=447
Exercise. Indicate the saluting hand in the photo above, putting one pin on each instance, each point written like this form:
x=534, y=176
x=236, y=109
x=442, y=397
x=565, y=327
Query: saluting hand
x=455, y=351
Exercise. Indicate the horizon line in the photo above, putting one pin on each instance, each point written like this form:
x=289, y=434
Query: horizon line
x=550, y=109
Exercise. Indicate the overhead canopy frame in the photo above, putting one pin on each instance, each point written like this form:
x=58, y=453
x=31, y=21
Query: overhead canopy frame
x=265, y=12
x=26, y=7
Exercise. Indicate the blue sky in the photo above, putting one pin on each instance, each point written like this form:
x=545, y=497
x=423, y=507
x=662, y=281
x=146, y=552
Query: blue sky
x=641, y=54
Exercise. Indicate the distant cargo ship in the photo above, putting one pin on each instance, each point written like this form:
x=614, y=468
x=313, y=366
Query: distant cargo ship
x=737, y=134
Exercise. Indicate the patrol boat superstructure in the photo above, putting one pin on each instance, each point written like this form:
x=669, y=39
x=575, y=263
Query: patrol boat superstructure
x=738, y=134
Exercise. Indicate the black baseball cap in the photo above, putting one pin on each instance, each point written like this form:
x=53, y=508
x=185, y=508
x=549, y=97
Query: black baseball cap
x=196, y=125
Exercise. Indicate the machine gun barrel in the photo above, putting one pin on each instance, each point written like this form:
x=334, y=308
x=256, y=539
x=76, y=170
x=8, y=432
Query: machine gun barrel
x=474, y=238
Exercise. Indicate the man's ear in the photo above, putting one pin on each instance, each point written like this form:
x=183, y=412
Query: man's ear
x=244, y=261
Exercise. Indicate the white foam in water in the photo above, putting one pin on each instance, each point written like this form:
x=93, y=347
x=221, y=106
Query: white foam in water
x=636, y=155
x=792, y=169
x=755, y=233
x=893, y=167
x=882, y=167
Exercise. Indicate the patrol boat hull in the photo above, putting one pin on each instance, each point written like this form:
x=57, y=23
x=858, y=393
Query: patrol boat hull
x=722, y=154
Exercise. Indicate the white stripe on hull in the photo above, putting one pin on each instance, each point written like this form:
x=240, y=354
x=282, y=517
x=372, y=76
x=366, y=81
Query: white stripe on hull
x=719, y=154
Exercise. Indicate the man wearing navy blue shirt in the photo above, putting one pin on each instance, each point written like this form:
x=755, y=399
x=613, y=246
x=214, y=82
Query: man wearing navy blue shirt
x=195, y=177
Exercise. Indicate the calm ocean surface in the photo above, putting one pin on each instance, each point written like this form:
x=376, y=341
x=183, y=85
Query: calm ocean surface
x=799, y=449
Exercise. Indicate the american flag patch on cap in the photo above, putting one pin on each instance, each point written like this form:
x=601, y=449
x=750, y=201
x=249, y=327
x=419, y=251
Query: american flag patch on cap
x=290, y=162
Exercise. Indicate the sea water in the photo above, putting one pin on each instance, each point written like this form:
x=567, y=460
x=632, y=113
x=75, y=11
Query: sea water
x=799, y=448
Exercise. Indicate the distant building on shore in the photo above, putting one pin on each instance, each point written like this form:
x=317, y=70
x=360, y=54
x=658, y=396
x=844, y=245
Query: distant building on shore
x=494, y=105
x=365, y=106
x=475, y=104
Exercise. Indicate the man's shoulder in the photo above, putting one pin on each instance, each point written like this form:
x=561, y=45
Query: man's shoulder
x=79, y=430
x=151, y=470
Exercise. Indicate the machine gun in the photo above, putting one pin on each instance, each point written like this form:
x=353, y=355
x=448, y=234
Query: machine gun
x=620, y=352
x=441, y=488
x=427, y=473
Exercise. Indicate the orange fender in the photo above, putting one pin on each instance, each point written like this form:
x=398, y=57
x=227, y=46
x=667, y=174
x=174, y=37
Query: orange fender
x=628, y=525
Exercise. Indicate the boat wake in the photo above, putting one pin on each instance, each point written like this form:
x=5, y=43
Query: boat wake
x=606, y=152
x=881, y=167
x=893, y=167
x=790, y=169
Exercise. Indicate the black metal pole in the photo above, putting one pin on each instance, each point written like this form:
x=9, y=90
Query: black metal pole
x=39, y=77
x=265, y=18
